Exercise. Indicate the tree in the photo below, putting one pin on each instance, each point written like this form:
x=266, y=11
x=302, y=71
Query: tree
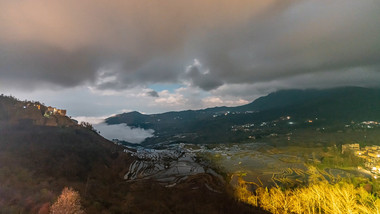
x=67, y=203
x=87, y=126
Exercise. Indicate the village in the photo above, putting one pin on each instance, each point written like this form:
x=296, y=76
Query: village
x=370, y=154
x=48, y=111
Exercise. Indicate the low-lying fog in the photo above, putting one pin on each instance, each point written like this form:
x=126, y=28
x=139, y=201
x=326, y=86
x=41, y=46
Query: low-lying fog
x=123, y=132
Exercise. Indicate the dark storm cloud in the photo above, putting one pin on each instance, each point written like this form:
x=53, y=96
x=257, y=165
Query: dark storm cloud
x=312, y=36
x=153, y=94
x=31, y=63
x=202, y=79
x=121, y=44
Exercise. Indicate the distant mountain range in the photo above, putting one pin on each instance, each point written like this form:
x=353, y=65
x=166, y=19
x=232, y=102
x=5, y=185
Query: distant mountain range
x=279, y=111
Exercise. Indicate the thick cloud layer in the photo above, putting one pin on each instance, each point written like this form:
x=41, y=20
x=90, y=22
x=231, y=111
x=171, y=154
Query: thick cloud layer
x=124, y=44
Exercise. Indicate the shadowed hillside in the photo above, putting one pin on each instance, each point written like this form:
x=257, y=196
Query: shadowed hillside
x=37, y=161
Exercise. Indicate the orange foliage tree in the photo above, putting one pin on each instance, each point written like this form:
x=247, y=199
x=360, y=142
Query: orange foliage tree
x=67, y=203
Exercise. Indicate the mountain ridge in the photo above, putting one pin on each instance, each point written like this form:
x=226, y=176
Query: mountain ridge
x=333, y=106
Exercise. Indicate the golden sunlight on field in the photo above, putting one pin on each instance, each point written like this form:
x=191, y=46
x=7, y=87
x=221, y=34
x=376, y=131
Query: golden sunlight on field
x=319, y=197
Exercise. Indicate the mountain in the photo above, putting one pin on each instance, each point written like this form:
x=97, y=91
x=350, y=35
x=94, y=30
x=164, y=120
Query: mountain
x=42, y=151
x=337, y=103
x=307, y=108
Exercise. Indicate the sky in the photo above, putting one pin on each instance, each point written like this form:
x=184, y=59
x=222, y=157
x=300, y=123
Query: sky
x=98, y=58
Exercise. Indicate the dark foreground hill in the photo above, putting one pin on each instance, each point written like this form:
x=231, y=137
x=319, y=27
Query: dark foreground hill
x=303, y=108
x=38, y=160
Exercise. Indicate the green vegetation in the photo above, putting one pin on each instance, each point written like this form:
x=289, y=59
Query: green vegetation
x=335, y=159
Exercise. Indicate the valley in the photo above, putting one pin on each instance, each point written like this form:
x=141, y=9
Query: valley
x=221, y=158
x=297, y=144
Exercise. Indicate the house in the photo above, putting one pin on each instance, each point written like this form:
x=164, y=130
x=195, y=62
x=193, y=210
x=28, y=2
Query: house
x=350, y=147
x=374, y=154
x=50, y=110
x=54, y=111
x=372, y=148
x=61, y=112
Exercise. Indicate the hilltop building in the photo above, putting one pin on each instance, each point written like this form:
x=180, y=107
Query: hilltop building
x=54, y=111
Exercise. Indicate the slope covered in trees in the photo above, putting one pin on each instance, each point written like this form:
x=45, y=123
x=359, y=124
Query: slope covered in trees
x=38, y=161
